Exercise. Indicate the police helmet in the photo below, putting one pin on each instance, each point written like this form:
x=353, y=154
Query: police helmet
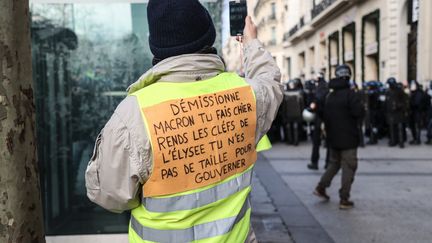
x=310, y=85
x=343, y=71
x=295, y=84
x=308, y=116
x=292, y=84
x=373, y=87
x=392, y=82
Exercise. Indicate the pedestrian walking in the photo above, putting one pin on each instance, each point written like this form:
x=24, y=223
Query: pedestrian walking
x=180, y=149
x=343, y=108
x=317, y=106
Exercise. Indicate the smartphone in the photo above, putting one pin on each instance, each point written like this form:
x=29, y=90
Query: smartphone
x=238, y=13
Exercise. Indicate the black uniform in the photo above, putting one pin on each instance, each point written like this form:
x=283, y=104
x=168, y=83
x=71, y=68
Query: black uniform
x=291, y=112
x=374, y=114
x=429, y=124
x=396, y=110
x=321, y=93
x=417, y=109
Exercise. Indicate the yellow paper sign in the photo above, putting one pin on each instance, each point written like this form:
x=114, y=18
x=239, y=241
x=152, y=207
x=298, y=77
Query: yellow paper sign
x=201, y=140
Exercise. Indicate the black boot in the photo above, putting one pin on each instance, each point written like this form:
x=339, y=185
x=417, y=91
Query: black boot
x=312, y=166
x=346, y=204
x=321, y=193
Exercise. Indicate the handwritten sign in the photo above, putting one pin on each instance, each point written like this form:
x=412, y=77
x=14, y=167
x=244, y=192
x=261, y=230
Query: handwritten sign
x=201, y=140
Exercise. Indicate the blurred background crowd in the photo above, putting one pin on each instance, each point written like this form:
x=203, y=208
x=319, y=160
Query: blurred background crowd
x=395, y=112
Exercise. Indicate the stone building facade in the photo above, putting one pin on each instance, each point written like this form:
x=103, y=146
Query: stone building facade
x=377, y=38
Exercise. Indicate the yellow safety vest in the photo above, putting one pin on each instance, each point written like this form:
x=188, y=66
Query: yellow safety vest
x=202, y=137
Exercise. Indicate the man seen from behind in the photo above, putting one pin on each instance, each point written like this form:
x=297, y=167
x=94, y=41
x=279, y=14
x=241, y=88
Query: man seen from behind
x=180, y=149
x=342, y=110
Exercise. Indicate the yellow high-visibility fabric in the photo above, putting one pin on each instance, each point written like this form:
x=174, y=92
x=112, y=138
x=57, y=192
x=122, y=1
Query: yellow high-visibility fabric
x=264, y=144
x=234, y=209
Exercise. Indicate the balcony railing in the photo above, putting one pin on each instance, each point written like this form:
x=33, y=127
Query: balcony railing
x=298, y=26
x=293, y=30
x=301, y=22
x=323, y=5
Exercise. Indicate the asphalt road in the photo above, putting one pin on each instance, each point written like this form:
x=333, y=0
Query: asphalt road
x=392, y=192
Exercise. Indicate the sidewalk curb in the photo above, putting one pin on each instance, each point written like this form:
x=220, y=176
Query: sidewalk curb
x=301, y=224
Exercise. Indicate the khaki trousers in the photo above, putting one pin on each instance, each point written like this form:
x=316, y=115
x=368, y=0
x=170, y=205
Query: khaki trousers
x=345, y=159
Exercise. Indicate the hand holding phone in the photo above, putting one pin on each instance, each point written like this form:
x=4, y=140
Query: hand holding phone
x=250, y=30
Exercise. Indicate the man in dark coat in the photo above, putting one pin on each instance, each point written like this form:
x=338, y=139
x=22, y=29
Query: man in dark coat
x=317, y=106
x=342, y=111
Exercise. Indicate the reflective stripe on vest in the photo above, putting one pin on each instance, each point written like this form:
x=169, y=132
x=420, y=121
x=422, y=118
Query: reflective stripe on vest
x=199, y=199
x=210, y=212
x=196, y=232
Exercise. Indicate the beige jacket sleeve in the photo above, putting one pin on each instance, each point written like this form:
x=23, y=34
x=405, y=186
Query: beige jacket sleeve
x=120, y=161
x=264, y=76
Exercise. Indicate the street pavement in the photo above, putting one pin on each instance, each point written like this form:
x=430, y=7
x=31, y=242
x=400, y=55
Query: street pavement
x=392, y=194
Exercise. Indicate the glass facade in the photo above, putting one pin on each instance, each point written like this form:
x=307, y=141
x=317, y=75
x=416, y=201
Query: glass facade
x=85, y=55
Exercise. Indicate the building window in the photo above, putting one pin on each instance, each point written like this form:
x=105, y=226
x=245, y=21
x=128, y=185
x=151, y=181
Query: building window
x=273, y=11
x=289, y=68
x=302, y=63
x=323, y=57
x=333, y=55
x=348, y=47
x=273, y=36
x=311, y=61
x=370, y=46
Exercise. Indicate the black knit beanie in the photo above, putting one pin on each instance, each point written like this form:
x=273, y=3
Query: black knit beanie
x=178, y=27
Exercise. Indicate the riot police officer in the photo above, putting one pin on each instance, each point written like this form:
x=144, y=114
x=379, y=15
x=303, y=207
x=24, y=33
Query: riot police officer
x=429, y=125
x=291, y=111
x=417, y=109
x=374, y=110
x=395, y=109
x=309, y=92
x=317, y=106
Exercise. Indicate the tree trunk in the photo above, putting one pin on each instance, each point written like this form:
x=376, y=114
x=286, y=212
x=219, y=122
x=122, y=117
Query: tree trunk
x=20, y=200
